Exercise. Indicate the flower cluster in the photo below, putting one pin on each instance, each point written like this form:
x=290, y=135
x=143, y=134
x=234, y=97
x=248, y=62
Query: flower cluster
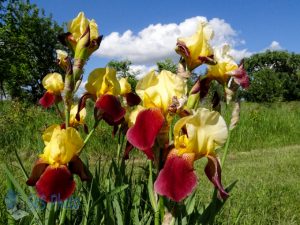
x=144, y=115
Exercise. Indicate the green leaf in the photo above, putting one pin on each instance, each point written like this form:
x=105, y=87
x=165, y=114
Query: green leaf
x=22, y=193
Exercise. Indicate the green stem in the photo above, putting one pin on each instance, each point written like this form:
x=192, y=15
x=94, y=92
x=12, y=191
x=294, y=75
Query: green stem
x=21, y=164
x=63, y=213
x=226, y=149
x=120, y=146
x=50, y=217
x=89, y=135
x=156, y=218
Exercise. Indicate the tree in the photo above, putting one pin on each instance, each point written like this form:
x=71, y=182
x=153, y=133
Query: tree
x=275, y=75
x=167, y=64
x=123, y=70
x=29, y=39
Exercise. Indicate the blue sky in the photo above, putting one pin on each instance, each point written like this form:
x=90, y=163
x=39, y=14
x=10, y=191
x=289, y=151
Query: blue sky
x=250, y=26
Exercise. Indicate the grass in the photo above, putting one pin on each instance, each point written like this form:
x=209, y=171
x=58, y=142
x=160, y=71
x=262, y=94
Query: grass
x=267, y=189
x=264, y=157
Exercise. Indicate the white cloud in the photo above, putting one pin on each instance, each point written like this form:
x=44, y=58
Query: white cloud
x=274, y=46
x=157, y=41
x=141, y=70
x=238, y=55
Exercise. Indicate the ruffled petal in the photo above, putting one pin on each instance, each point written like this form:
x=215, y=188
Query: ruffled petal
x=47, y=100
x=110, y=108
x=143, y=133
x=213, y=172
x=55, y=184
x=177, y=179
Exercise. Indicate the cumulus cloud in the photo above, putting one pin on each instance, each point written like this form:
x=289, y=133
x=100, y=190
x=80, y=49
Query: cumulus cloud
x=141, y=70
x=274, y=46
x=157, y=41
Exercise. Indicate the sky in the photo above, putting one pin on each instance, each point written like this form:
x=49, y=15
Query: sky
x=146, y=31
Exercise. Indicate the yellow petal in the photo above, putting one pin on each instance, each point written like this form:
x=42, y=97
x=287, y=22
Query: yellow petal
x=78, y=26
x=53, y=82
x=158, y=90
x=94, y=33
x=103, y=81
x=197, y=46
x=48, y=133
x=125, y=86
x=63, y=146
x=206, y=131
x=61, y=55
x=225, y=64
x=73, y=112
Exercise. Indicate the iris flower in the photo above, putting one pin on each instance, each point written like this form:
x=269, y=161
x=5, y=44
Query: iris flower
x=150, y=121
x=227, y=67
x=52, y=174
x=104, y=86
x=196, y=49
x=82, y=37
x=53, y=83
x=196, y=136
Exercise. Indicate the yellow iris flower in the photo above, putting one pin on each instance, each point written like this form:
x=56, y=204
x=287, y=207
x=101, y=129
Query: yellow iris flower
x=158, y=90
x=79, y=25
x=225, y=65
x=61, y=145
x=206, y=131
x=196, y=48
x=103, y=81
x=53, y=83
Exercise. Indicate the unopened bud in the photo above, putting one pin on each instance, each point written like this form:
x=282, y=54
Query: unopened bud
x=235, y=116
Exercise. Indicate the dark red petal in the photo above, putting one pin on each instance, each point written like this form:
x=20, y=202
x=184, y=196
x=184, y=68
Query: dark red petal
x=47, y=100
x=213, y=172
x=110, y=108
x=182, y=49
x=37, y=170
x=77, y=167
x=207, y=59
x=82, y=103
x=56, y=184
x=149, y=153
x=241, y=77
x=132, y=99
x=177, y=179
x=147, y=125
x=128, y=149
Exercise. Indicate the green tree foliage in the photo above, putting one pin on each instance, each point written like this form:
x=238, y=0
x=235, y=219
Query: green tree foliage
x=27, y=54
x=275, y=76
x=167, y=64
x=123, y=70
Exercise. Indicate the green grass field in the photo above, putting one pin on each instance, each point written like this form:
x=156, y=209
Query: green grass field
x=264, y=158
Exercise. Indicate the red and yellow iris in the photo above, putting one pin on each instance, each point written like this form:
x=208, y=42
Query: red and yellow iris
x=196, y=136
x=52, y=174
x=150, y=121
x=54, y=84
x=226, y=67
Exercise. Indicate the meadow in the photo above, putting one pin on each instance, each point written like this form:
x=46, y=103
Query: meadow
x=264, y=159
